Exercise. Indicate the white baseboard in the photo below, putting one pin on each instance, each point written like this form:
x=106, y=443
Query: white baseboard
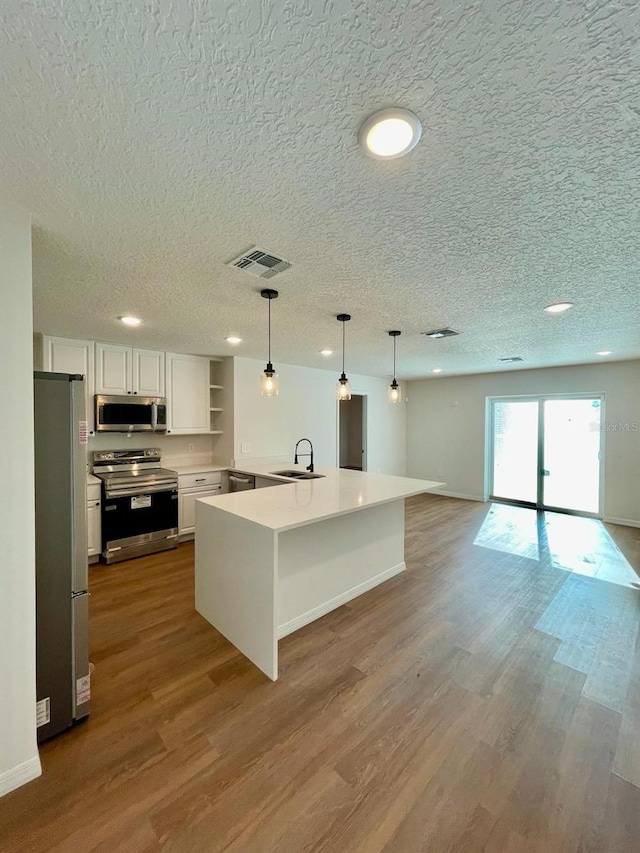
x=456, y=495
x=20, y=775
x=322, y=609
x=626, y=522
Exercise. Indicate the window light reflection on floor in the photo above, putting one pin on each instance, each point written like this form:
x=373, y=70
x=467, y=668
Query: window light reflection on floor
x=572, y=543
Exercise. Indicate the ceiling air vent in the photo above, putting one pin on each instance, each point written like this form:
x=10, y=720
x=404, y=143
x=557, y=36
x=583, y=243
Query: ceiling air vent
x=260, y=263
x=512, y=358
x=441, y=333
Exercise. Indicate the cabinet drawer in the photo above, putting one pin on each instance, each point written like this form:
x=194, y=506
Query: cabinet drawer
x=93, y=491
x=195, y=481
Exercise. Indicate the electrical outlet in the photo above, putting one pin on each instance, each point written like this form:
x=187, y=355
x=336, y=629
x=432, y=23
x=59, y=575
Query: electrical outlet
x=190, y=447
x=245, y=447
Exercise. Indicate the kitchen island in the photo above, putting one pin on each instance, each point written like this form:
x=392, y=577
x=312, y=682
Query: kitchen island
x=271, y=560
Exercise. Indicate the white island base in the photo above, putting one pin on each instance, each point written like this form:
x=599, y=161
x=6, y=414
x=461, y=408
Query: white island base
x=267, y=563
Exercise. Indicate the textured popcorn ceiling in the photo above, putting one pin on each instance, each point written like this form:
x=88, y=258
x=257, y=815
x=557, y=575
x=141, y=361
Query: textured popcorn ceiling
x=154, y=141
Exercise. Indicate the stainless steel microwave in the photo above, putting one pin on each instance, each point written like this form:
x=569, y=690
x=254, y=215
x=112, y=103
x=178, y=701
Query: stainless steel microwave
x=130, y=414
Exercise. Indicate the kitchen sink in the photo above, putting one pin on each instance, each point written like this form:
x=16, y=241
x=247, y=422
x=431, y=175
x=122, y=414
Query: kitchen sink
x=297, y=475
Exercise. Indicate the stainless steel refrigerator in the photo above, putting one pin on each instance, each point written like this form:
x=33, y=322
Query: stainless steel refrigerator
x=62, y=599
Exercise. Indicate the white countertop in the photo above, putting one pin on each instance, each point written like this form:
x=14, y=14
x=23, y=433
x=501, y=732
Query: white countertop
x=203, y=468
x=303, y=502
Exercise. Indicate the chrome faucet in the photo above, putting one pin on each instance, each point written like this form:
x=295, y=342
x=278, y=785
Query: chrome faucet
x=296, y=454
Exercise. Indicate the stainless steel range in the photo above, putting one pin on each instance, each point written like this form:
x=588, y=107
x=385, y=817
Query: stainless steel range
x=139, y=503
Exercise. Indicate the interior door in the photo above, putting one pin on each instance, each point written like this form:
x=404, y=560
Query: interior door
x=352, y=431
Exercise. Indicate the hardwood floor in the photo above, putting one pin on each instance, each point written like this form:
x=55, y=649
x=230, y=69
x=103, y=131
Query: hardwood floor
x=488, y=699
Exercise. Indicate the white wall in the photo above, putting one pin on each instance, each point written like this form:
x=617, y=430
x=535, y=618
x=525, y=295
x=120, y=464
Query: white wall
x=446, y=426
x=19, y=760
x=307, y=407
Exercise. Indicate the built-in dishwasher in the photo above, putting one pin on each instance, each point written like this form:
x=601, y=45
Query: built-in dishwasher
x=241, y=482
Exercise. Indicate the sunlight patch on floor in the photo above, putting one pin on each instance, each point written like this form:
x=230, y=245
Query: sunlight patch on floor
x=579, y=545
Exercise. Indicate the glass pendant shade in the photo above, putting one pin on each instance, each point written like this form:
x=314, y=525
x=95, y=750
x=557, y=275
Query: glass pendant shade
x=269, y=378
x=395, y=392
x=344, y=388
x=269, y=382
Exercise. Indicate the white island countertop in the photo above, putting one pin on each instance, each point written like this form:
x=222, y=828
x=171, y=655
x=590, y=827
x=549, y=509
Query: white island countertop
x=272, y=559
x=338, y=492
x=202, y=468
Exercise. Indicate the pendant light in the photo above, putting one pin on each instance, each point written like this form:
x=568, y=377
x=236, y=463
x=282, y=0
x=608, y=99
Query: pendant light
x=344, y=386
x=395, y=391
x=269, y=378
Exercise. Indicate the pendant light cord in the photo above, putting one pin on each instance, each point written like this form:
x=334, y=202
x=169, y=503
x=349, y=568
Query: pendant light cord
x=269, y=331
x=343, y=325
x=394, y=358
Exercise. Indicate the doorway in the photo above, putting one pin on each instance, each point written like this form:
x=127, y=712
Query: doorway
x=352, y=429
x=545, y=452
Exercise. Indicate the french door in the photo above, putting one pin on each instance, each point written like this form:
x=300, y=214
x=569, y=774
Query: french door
x=546, y=452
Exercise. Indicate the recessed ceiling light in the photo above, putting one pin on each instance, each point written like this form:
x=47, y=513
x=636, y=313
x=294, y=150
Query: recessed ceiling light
x=128, y=320
x=388, y=134
x=558, y=307
x=233, y=339
x=326, y=352
x=437, y=370
x=605, y=352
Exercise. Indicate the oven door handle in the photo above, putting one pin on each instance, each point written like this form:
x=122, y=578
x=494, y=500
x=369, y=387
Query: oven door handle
x=137, y=490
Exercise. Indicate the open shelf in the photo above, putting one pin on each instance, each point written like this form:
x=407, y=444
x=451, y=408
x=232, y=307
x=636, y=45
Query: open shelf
x=216, y=387
x=215, y=410
x=215, y=432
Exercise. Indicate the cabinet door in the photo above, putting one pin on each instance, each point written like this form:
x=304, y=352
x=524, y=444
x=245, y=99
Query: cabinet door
x=67, y=355
x=187, y=507
x=187, y=384
x=113, y=369
x=93, y=528
x=148, y=373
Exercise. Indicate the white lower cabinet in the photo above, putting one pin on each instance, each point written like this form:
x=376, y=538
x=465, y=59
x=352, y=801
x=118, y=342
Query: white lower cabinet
x=192, y=486
x=94, y=525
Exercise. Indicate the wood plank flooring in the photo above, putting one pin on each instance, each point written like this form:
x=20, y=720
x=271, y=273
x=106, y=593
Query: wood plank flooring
x=486, y=700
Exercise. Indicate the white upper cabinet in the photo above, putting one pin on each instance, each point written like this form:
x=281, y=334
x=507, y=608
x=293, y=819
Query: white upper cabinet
x=67, y=355
x=148, y=373
x=189, y=382
x=187, y=394
x=113, y=369
x=127, y=370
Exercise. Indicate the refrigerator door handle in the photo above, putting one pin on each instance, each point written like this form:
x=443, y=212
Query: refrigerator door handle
x=81, y=683
x=80, y=558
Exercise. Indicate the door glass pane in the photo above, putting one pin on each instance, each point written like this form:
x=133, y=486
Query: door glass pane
x=571, y=454
x=515, y=450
